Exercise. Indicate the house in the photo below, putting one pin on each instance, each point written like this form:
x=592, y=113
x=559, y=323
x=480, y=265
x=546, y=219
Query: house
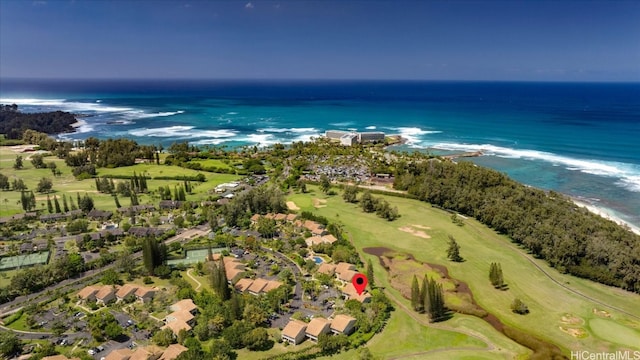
x=184, y=305
x=279, y=217
x=324, y=239
x=257, y=286
x=100, y=215
x=172, y=352
x=271, y=285
x=145, y=294
x=294, y=332
x=291, y=217
x=125, y=291
x=88, y=293
x=182, y=315
x=177, y=326
x=255, y=218
x=349, y=139
x=325, y=268
x=314, y=227
x=119, y=354
x=105, y=295
x=151, y=352
x=316, y=327
x=346, y=276
x=59, y=357
x=243, y=284
x=328, y=239
x=350, y=292
x=343, y=324
x=343, y=266
x=171, y=204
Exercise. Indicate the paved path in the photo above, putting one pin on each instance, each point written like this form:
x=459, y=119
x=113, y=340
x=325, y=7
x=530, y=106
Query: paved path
x=194, y=279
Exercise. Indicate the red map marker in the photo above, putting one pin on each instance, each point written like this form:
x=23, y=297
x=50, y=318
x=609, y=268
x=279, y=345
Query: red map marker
x=359, y=282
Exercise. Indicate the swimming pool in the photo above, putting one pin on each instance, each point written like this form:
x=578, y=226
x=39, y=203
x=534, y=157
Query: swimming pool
x=318, y=260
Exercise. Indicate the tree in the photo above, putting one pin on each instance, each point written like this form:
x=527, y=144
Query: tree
x=113, y=330
x=10, y=345
x=110, y=277
x=115, y=197
x=18, y=185
x=416, y=300
x=219, y=280
x=369, y=272
x=495, y=275
x=325, y=183
x=44, y=185
x=367, y=202
x=65, y=204
x=37, y=161
x=57, y=204
x=434, y=301
x=234, y=334
x=49, y=205
x=4, y=182
x=266, y=227
x=163, y=337
x=154, y=254
x=350, y=193
x=18, y=163
x=518, y=307
x=86, y=203
x=453, y=252
x=331, y=344
x=220, y=349
x=257, y=339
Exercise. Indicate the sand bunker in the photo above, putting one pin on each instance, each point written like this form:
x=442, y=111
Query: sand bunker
x=422, y=227
x=319, y=203
x=571, y=319
x=292, y=206
x=601, y=313
x=414, y=232
x=575, y=332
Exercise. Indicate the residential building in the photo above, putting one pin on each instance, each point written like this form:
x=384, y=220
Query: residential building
x=145, y=294
x=316, y=327
x=88, y=293
x=126, y=290
x=119, y=354
x=172, y=352
x=105, y=295
x=343, y=324
x=294, y=332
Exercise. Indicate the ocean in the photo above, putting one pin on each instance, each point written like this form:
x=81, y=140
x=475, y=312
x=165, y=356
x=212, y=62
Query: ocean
x=580, y=139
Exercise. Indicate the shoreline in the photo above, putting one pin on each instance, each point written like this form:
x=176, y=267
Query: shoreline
x=607, y=215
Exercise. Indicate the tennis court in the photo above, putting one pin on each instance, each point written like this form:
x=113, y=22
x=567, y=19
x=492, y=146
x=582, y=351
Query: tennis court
x=194, y=256
x=18, y=261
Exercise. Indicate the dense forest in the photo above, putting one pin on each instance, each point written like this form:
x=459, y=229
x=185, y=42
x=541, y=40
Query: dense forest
x=13, y=123
x=549, y=225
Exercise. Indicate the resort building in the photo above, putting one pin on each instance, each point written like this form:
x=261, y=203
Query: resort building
x=145, y=294
x=125, y=291
x=350, y=293
x=106, y=294
x=120, y=354
x=350, y=138
x=172, y=352
x=88, y=293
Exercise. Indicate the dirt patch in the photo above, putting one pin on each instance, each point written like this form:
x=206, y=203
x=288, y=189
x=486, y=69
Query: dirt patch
x=414, y=232
x=575, y=332
x=292, y=206
x=571, y=319
x=601, y=313
x=319, y=203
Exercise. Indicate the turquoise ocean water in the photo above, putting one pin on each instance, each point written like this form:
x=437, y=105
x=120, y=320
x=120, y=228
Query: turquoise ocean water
x=579, y=139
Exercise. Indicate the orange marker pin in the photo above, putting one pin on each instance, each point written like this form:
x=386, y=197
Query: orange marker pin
x=359, y=282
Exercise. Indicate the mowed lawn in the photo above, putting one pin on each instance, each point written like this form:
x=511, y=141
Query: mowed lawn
x=548, y=301
x=67, y=184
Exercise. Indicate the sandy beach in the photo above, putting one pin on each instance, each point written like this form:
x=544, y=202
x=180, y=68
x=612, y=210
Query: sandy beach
x=605, y=214
x=78, y=123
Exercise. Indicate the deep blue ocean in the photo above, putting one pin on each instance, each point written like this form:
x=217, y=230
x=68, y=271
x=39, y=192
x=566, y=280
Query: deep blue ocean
x=581, y=139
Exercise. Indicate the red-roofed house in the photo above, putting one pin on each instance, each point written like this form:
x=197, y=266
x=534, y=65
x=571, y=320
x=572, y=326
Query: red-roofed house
x=106, y=294
x=172, y=352
x=126, y=290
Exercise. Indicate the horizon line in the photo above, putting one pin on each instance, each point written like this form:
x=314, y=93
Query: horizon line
x=294, y=80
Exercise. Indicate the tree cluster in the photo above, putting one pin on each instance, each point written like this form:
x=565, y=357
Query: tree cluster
x=14, y=123
x=154, y=254
x=495, y=275
x=369, y=204
x=428, y=298
x=550, y=226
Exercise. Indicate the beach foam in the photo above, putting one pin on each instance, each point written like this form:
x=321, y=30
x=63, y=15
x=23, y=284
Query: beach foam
x=412, y=134
x=628, y=174
x=182, y=132
x=292, y=130
x=607, y=214
x=64, y=105
x=370, y=127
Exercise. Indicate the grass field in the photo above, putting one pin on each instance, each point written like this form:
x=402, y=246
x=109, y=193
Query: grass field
x=548, y=301
x=67, y=184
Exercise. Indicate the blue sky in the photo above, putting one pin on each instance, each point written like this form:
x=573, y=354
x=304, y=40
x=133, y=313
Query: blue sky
x=377, y=39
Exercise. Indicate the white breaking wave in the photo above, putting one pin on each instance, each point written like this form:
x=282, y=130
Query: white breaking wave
x=143, y=115
x=370, y=127
x=628, y=174
x=285, y=130
x=63, y=104
x=182, y=132
x=232, y=113
x=260, y=139
x=412, y=134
